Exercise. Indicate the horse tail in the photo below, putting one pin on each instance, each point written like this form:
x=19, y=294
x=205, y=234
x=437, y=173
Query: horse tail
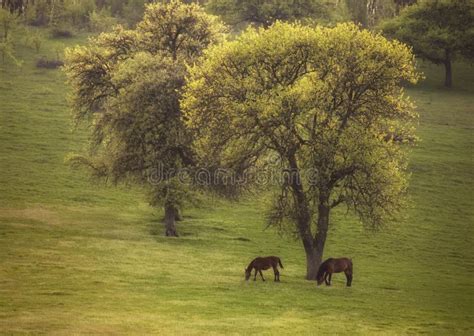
x=279, y=262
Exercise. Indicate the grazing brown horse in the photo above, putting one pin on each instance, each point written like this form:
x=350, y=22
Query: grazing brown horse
x=334, y=265
x=264, y=263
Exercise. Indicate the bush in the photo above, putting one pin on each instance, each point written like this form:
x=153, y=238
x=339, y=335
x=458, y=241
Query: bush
x=59, y=32
x=45, y=63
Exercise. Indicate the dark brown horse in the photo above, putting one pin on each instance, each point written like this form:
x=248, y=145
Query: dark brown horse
x=264, y=263
x=334, y=265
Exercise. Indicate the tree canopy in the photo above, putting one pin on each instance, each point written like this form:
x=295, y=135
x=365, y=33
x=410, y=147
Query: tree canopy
x=327, y=102
x=126, y=86
x=438, y=31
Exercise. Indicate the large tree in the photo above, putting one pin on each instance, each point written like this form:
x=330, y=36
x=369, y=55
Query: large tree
x=327, y=102
x=438, y=31
x=126, y=87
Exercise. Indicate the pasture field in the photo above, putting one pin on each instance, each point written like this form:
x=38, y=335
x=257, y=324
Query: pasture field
x=79, y=257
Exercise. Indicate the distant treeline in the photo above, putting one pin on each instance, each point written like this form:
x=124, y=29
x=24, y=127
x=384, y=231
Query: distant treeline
x=99, y=15
x=78, y=14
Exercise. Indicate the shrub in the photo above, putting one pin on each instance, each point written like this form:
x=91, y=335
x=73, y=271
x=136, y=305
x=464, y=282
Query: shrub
x=45, y=63
x=60, y=32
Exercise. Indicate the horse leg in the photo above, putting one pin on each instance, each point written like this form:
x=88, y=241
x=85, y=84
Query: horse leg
x=348, y=277
x=328, y=278
x=255, y=275
x=263, y=279
x=277, y=274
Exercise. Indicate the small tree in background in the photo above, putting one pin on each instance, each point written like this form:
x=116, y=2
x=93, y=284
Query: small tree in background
x=264, y=13
x=369, y=12
x=8, y=23
x=327, y=103
x=35, y=39
x=400, y=4
x=126, y=86
x=14, y=6
x=439, y=31
x=101, y=21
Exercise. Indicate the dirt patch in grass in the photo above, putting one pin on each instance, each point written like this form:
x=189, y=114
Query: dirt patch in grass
x=34, y=213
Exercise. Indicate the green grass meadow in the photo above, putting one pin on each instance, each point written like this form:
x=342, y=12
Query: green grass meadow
x=79, y=257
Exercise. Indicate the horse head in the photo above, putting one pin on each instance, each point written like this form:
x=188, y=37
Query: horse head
x=247, y=273
x=319, y=279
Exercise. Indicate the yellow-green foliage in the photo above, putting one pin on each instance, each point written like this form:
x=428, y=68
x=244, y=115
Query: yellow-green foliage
x=179, y=29
x=126, y=85
x=330, y=97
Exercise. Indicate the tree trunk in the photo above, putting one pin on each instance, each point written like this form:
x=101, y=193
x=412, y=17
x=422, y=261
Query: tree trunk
x=170, y=224
x=178, y=216
x=312, y=264
x=322, y=226
x=303, y=220
x=448, y=80
x=51, y=18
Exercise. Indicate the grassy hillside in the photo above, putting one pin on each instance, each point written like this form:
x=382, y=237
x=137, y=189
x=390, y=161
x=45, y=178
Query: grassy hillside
x=77, y=257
